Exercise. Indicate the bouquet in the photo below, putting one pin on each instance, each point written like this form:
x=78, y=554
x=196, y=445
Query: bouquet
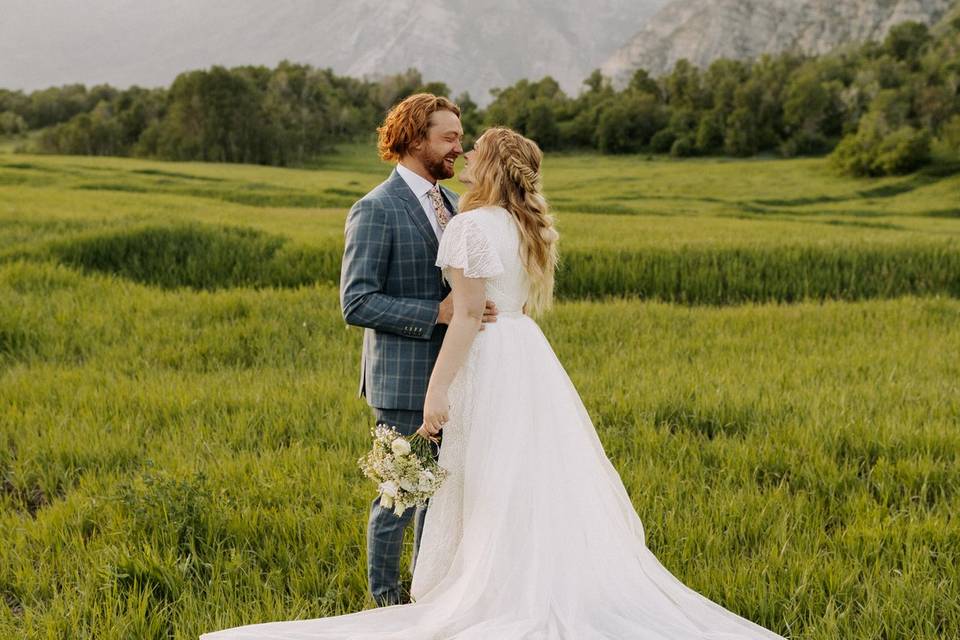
x=403, y=468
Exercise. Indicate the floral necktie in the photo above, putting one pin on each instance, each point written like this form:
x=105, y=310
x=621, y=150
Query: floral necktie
x=438, y=208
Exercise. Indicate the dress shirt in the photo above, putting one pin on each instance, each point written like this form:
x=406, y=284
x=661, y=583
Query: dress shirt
x=421, y=188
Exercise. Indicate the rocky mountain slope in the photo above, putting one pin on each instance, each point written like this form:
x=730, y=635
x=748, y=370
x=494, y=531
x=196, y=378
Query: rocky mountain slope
x=471, y=45
x=703, y=30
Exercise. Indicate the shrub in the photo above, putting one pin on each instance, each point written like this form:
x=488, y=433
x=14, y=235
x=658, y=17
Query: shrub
x=683, y=147
x=876, y=151
x=662, y=140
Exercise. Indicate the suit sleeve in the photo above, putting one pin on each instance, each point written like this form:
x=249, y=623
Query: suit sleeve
x=366, y=259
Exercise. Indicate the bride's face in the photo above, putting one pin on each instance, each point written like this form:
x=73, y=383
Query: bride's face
x=466, y=176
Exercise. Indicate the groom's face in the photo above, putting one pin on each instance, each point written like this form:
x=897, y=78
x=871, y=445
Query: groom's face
x=442, y=145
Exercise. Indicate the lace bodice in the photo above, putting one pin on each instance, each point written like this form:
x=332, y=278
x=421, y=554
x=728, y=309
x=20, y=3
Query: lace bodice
x=485, y=243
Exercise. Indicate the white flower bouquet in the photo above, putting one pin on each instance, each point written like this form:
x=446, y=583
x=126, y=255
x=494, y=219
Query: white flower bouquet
x=403, y=468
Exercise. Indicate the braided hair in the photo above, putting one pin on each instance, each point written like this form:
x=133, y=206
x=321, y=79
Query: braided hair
x=506, y=173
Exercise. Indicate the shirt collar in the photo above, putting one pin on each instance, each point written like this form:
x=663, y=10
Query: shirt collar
x=416, y=182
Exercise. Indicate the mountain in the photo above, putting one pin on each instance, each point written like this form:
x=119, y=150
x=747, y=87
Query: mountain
x=703, y=30
x=472, y=45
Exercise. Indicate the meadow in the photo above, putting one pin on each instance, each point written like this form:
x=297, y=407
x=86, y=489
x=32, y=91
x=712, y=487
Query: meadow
x=769, y=353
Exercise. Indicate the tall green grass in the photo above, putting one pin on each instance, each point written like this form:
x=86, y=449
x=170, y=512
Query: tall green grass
x=733, y=275
x=730, y=232
x=200, y=257
x=179, y=428
x=178, y=461
x=214, y=257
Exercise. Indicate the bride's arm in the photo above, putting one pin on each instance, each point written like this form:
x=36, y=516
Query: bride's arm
x=469, y=301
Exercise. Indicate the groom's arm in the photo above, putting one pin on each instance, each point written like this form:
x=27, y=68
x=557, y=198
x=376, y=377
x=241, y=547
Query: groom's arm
x=366, y=259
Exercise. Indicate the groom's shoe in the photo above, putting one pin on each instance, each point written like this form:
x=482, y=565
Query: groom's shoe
x=388, y=599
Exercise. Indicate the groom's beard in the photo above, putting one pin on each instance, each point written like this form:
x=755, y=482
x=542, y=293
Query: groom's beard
x=438, y=167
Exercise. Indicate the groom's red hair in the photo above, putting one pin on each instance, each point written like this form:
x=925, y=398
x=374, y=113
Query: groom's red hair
x=407, y=122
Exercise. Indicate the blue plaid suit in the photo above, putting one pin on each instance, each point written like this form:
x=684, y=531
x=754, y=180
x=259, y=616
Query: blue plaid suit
x=390, y=286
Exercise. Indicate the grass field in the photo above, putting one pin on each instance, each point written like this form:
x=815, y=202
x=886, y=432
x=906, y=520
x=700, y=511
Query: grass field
x=180, y=430
x=695, y=232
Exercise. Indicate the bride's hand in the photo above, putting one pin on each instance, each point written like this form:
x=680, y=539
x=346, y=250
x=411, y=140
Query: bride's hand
x=436, y=410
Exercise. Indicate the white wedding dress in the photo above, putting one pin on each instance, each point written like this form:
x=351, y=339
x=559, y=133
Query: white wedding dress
x=532, y=536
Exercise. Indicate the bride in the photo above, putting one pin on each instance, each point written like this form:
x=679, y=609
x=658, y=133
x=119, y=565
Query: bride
x=532, y=535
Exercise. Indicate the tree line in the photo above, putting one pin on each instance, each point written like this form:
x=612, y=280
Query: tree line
x=878, y=108
x=283, y=116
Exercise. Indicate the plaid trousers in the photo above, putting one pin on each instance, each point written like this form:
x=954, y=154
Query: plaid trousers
x=385, y=528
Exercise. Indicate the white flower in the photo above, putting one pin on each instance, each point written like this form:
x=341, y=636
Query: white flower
x=400, y=446
x=403, y=478
x=389, y=489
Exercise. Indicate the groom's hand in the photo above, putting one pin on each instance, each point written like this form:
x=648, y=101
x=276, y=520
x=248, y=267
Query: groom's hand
x=446, y=311
x=489, y=313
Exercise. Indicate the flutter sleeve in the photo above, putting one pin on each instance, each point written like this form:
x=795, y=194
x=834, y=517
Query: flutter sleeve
x=464, y=245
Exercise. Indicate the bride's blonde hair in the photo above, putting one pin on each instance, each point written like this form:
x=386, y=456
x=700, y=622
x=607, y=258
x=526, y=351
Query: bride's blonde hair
x=506, y=172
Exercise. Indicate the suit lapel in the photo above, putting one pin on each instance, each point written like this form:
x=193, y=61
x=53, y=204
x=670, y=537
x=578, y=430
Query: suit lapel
x=399, y=188
x=451, y=199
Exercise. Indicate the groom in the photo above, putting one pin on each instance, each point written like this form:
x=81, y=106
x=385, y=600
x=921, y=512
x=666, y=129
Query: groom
x=390, y=285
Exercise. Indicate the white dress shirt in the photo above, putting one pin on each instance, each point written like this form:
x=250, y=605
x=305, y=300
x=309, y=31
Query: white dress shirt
x=421, y=188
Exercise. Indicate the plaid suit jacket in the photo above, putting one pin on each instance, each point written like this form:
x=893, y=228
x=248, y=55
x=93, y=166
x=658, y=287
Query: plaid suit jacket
x=390, y=286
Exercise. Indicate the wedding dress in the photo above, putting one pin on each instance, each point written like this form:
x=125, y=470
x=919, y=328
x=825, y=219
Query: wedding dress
x=532, y=535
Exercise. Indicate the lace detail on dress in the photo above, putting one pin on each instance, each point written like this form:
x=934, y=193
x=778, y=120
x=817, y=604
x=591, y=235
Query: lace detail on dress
x=464, y=245
x=444, y=525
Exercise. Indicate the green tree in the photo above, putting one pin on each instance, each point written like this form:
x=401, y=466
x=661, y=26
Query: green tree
x=710, y=132
x=541, y=124
x=435, y=87
x=56, y=104
x=683, y=122
x=740, y=137
x=578, y=119
x=812, y=111
x=12, y=123
x=641, y=82
x=720, y=83
x=531, y=108
x=214, y=116
x=394, y=88
x=471, y=118
x=907, y=40
x=683, y=87
x=627, y=123
x=595, y=82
